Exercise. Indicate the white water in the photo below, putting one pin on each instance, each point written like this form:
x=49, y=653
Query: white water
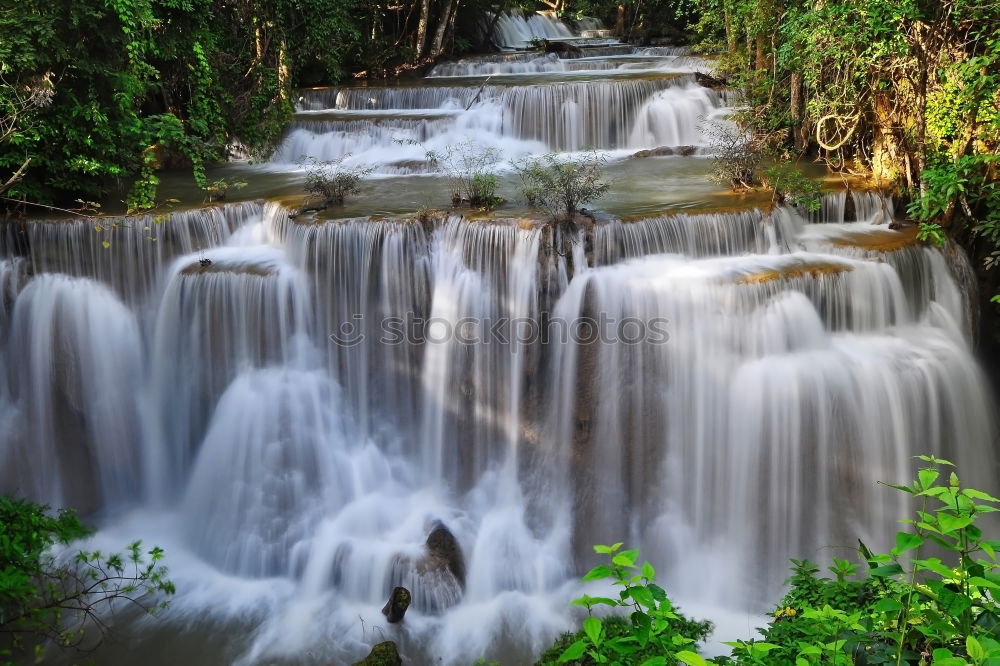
x=516, y=31
x=293, y=480
x=517, y=104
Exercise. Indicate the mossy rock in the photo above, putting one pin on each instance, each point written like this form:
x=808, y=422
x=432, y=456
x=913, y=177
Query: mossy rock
x=383, y=654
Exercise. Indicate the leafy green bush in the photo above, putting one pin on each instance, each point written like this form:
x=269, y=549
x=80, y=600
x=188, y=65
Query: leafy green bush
x=654, y=632
x=45, y=600
x=561, y=186
x=933, y=600
x=793, y=187
x=939, y=609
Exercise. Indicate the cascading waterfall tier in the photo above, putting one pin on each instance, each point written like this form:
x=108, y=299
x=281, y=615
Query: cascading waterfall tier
x=330, y=409
x=596, y=98
x=397, y=126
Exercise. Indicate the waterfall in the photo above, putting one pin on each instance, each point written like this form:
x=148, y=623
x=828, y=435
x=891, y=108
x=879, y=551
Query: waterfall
x=615, y=114
x=75, y=443
x=515, y=31
x=306, y=412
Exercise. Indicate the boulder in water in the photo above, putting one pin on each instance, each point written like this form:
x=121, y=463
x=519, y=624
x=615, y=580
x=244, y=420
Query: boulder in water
x=443, y=552
x=662, y=151
x=383, y=654
x=395, y=608
x=560, y=47
x=709, y=81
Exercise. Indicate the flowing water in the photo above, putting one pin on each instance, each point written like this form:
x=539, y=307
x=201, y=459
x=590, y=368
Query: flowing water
x=306, y=413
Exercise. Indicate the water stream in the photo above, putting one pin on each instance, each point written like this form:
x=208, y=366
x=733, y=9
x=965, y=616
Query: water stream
x=292, y=407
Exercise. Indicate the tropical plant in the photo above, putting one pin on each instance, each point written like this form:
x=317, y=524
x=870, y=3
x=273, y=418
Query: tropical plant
x=62, y=600
x=654, y=632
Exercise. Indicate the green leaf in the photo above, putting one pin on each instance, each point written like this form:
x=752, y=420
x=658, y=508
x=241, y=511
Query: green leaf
x=655, y=661
x=626, y=558
x=607, y=550
x=927, y=477
x=690, y=658
x=952, y=523
x=648, y=572
x=886, y=571
x=906, y=541
x=573, y=652
x=593, y=628
x=975, y=650
x=978, y=494
x=599, y=572
x=888, y=605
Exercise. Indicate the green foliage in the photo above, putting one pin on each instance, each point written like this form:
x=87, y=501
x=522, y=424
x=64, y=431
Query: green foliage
x=562, y=185
x=932, y=600
x=793, y=187
x=43, y=599
x=218, y=189
x=654, y=632
x=471, y=171
x=935, y=594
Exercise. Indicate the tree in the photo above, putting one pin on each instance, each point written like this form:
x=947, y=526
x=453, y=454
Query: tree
x=66, y=602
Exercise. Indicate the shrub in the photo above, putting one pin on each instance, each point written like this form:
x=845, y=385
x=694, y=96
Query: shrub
x=793, y=187
x=43, y=599
x=561, y=186
x=653, y=633
x=330, y=181
x=218, y=190
x=738, y=155
x=471, y=172
x=913, y=607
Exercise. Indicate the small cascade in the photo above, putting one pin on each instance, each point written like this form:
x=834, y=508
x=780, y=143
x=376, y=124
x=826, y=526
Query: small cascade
x=484, y=303
x=130, y=253
x=675, y=117
x=229, y=310
x=764, y=365
x=283, y=449
x=371, y=281
x=74, y=384
x=628, y=113
x=691, y=235
x=517, y=31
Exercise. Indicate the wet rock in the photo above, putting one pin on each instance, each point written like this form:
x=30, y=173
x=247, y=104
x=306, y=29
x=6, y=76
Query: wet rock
x=662, y=151
x=560, y=47
x=895, y=225
x=443, y=552
x=383, y=654
x=686, y=150
x=709, y=81
x=395, y=608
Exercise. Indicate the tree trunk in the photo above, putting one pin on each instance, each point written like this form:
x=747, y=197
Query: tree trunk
x=425, y=16
x=798, y=131
x=438, y=45
x=730, y=31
